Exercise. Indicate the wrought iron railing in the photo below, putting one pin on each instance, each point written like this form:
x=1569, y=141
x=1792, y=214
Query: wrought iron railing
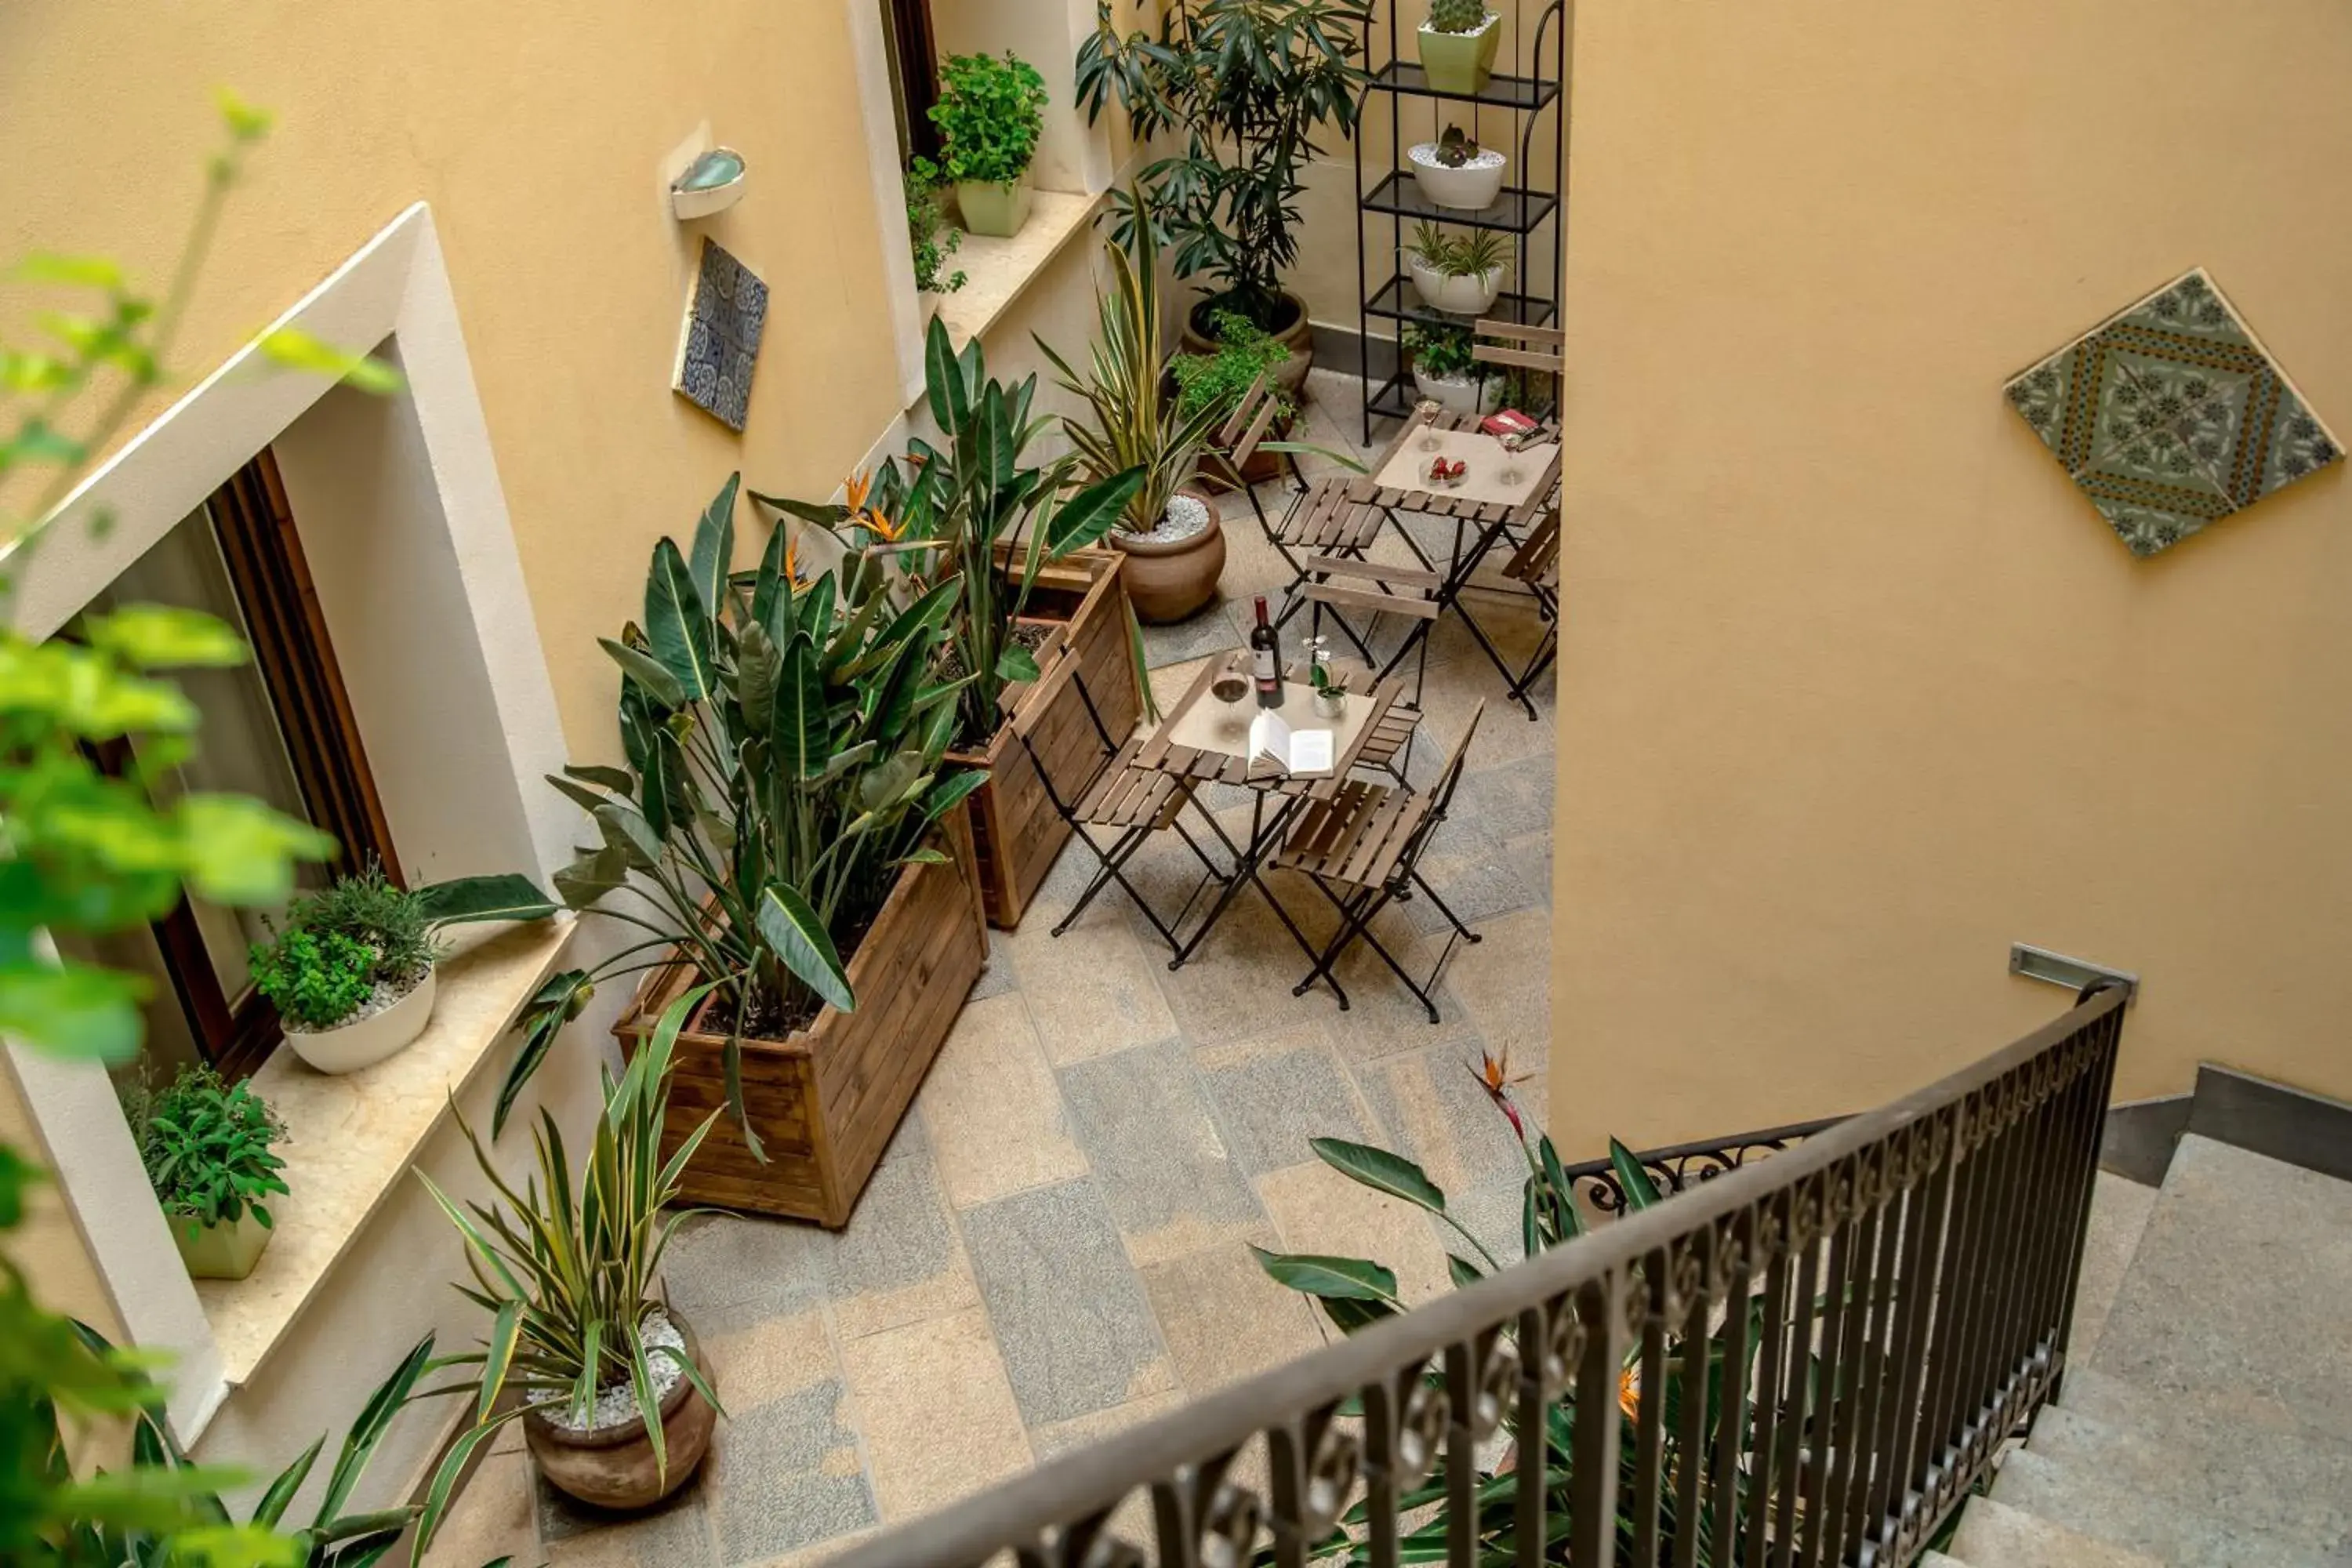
x=1680, y=1165
x=1806, y=1360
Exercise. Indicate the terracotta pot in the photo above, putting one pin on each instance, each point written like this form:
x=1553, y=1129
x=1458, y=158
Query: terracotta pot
x=614, y=1468
x=1297, y=336
x=1166, y=581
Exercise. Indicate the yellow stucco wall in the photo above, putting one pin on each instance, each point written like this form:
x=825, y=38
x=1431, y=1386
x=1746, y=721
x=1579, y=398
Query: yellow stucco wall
x=48, y=1247
x=1855, y=688
x=539, y=137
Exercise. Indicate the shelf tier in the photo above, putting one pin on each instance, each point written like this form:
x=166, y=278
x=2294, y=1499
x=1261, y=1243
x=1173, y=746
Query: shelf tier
x=1396, y=396
x=1516, y=211
x=1400, y=300
x=1525, y=93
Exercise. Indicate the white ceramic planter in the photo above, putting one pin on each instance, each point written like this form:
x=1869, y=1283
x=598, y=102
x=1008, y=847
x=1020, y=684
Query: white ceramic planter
x=1463, y=394
x=1473, y=187
x=372, y=1039
x=1470, y=294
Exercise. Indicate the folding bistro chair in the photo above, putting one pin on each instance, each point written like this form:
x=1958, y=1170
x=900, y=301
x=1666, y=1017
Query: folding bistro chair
x=1389, y=747
x=1523, y=348
x=1362, y=847
x=1334, y=584
x=1237, y=440
x=1537, y=565
x=1115, y=794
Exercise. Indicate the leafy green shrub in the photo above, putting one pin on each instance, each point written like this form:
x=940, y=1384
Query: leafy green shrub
x=369, y=908
x=314, y=979
x=932, y=238
x=1456, y=16
x=1246, y=351
x=1441, y=349
x=1472, y=256
x=990, y=115
x=206, y=1147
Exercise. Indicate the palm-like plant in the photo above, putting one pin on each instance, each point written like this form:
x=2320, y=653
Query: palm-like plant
x=1247, y=83
x=784, y=742
x=568, y=1268
x=1131, y=422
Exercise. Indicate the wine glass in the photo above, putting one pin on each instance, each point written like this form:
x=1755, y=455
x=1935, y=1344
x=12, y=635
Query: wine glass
x=1232, y=681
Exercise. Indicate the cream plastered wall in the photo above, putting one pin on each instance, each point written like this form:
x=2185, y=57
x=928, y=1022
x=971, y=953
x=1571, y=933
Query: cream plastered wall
x=542, y=141
x=1855, y=688
x=49, y=1248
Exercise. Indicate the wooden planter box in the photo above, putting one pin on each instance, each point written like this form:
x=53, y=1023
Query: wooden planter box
x=826, y=1100
x=1014, y=827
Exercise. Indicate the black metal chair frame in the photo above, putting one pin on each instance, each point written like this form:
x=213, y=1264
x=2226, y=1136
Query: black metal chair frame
x=1113, y=860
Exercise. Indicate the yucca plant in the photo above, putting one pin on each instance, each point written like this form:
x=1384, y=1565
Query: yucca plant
x=941, y=517
x=1131, y=422
x=784, y=742
x=569, y=1267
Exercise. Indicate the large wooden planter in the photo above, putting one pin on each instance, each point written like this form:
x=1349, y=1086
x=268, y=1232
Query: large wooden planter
x=826, y=1101
x=1014, y=827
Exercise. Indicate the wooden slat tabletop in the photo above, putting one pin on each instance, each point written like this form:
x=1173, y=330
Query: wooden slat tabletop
x=1162, y=752
x=1439, y=504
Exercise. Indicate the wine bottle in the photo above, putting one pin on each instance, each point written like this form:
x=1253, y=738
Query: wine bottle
x=1266, y=649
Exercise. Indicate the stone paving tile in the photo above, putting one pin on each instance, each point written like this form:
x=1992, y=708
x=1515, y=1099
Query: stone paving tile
x=1504, y=982
x=937, y=1419
x=1224, y=1318
x=992, y=1107
x=1316, y=1209
x=1091, y=990
x=1478, y=877
x=496, y=1519
x=1506, y=800
x=1272, y=1095
x=766, y=1361
x=785, y=1475
x=997, y=978
x=900, y=1260
x=1132, y=1519
x=1145, y=1124
x=677, y=1534
x=727, y=1273
x=1532, y=852
x=1068, y=1310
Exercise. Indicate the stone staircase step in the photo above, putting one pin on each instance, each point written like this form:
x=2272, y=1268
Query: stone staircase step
x=2081, y=1494
x=1994, y=1535
x=2119, y=1216
x=2237, y=1291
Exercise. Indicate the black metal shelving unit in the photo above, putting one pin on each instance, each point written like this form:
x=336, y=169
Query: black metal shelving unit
x=1533, y=215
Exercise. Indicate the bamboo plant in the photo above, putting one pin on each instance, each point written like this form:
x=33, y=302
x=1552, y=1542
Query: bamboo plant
x=975, y=512
x=568, y=1268
x=784, y=742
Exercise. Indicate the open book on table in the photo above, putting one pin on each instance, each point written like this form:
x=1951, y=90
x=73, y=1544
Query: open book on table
x=1271, y=739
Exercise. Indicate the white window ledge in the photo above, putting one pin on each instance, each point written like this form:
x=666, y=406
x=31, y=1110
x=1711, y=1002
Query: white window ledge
x=998, y=272
x=352, y=1138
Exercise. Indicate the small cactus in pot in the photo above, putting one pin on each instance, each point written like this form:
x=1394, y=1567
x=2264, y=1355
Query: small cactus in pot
x=1458, y=44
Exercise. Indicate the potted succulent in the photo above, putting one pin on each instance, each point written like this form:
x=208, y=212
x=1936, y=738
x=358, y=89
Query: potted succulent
x=1444, y=370
x=1458, y=45
x=1246, y=85
x=933, y=239
x=615, y=1399
x=1034, y=603
x=1244, y=352
x=1169, y=531
x=1455, y=172
x=352, y=970
x=1460, y=277
x=206, y=1146
x=788, y=832
x=989, y=114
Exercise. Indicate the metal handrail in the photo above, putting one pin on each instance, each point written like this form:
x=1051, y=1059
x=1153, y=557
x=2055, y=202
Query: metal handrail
x=1678, y=1166
x=1908, y=1275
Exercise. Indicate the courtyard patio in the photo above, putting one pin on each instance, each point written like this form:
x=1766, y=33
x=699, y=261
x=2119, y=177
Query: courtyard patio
x=1056, y=1242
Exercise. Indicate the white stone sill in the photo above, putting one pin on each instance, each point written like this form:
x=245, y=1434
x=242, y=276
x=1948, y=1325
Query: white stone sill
x=999, y=271
x=352, y=1138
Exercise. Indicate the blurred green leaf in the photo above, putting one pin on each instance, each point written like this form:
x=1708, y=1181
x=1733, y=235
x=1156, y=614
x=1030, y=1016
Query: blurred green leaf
x=295, y=349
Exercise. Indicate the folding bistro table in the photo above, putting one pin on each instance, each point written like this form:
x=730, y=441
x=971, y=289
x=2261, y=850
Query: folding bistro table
x=1204, y=740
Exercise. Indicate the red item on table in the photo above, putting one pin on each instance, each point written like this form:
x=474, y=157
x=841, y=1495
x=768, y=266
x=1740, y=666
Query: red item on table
x=1507, y=422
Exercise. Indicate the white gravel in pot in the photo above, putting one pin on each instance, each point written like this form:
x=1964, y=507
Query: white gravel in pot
x=1186, y=516
x=1426, y=152
x=382, y=996
x=618, y=1404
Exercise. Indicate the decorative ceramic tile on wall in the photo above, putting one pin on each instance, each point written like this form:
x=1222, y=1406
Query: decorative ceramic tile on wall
x=2169, y=414
x=719, y=347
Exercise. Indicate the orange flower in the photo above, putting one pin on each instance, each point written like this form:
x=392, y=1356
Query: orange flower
x=792, y=562
x=879, y=521
x=857, y=487
x=1493, y=1076
x=1629, y=1392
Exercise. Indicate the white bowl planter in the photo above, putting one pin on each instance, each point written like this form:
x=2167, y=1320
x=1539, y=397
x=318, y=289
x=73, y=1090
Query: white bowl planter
x=373, y=1037
x=1461, y=394
x=1469, y=188
x=1463, y=294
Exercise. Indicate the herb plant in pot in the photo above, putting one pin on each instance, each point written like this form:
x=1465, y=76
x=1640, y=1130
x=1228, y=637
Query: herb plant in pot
x=1169, y=531
x=1220, y=381
x=208, y=1147
x=989, y=114
x=351, y=971
x=933, y=239
x=786, y=831
x=1455, y=172
x=1460, y=277
x=1445, y=369
x=1458, y=45
x=615, y=1399
x=1246, y=85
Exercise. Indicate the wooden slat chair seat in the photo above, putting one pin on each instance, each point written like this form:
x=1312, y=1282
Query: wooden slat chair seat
x=1362, y=847
x=1537, y=564
x=1124, y=797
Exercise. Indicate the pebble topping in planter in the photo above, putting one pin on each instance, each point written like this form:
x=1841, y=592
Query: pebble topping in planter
x=617, y=1405
x=1186, y=516
x=382, y=996
x=1426, y=153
